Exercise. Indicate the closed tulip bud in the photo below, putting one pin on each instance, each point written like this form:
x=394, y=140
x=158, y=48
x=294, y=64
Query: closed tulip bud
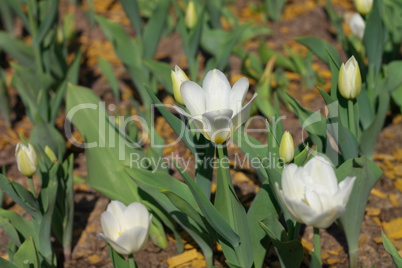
x=350, y=80
x=125, y=229
x=357, y=25
x=312, y=195
x=364, y=6
x=287, y=148
x=49, y=152
x=191, y=15
x=26, y=159
x=216, y=108
x=178, y=77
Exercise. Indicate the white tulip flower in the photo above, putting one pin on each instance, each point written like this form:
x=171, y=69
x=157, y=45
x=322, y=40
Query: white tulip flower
x=350, y=80
x=287, y=147
x=364, y=6
x=311, y=194
x=125, y=228
x=27, y=161
x=216, y=108
x=357, y=25
x=178, y=77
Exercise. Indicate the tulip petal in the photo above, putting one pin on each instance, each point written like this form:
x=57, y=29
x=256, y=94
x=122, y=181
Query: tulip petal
x=292, y=184
x=322, y=172
x=133, y=239
x=116, y=208
x=136, y=214
x=196, y=119
x=298, y=209
x=193, y=97
x=110, y=225
x=325, y=219
x=237, y=95
x=345, y=189
x=240, y=118
x=218, y=125
x=118, y=248
x=217, y=91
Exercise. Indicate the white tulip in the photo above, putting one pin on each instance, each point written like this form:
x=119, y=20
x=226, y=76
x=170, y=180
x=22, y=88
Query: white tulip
x=311, y=194
x=216, y=108
x=178, y=77
x=350, y=80
x=125, y=228
x=357, y=25
x=27, y=161
x=287, y=147
x=364, y=6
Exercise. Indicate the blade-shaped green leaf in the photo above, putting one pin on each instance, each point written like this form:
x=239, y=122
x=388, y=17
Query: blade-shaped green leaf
x=320, y=47
x=367, y=173
x=391, y=250
x=27, y=256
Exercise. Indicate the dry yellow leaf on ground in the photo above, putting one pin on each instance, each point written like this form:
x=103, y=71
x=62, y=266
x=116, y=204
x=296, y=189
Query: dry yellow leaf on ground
x=398, y=184
x=373, y=211
x=183, y=258
x=394, y=200
x=378, y=193
x=393, y=228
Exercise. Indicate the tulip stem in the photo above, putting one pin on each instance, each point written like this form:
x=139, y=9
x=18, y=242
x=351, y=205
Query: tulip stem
x=316, y=256
x=131, y=261
x=351, y=115
x=31, y=186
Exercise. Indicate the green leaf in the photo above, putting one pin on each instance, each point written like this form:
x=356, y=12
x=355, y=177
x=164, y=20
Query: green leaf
x=274, y=9
x=393, y=77
x=27, y=256
x=118, y=260
x=4, y=98
x=20, y=195
x=23, y=226
x=178, y=126
x=17, y=49
x=162, y=72
x=391, y=250
x=229, y=206
x=45, y=134
x=291, y=252
x=345, y=140
x=52, y=9
x=214, y=218
x=375, y=36
x=154, y=29
x=189, y=210
x=107, y=71
x=153, y=184
x=312, y=122
x=133, y=13
x=320, y=47
x=7, y=264
x=261, y=207
x=252, y=149
x=369, y=137
x=367, y=174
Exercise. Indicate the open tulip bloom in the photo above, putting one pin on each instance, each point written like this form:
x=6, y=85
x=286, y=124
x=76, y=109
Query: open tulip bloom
x=125, y=228
x=216, y=108
x=311, y=194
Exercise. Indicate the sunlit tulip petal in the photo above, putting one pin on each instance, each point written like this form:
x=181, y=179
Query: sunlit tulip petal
x=125, y=228
x=216, y=108
x=217, y=90
x=311, y=194
x=194, y=97
x=217, y=125
x=238, y=94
